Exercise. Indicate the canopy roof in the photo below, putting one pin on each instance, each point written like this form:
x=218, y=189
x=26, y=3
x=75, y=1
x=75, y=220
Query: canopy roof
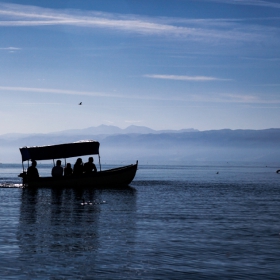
x=80, y=148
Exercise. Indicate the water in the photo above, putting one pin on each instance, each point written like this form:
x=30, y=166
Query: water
x=174, y=222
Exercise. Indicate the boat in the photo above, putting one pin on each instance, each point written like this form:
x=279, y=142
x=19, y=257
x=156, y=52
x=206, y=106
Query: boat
x=113, y=178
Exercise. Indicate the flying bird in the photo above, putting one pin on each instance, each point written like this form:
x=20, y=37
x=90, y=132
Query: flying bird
x=80, y=103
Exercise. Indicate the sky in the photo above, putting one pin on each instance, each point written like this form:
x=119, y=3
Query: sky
x=164, y=64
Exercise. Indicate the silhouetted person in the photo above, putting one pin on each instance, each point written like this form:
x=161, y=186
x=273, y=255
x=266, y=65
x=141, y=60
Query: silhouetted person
x=68, y=170
x=78, y=167
x=57, y=171
x=90, y=166
x=32, y=171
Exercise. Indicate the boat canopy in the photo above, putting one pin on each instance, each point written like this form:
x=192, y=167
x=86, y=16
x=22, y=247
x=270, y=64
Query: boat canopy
x=80, y=148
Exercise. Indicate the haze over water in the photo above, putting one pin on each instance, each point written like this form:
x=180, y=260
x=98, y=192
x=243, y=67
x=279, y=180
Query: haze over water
x=173, y=222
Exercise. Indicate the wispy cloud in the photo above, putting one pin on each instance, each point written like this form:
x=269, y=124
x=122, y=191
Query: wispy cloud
x=107, y=121
x=242, y=98
x=249, y=3
x=55, y=91
x=236, y=98
x=80, y=93
x=133, y=121
x=22, y=15
x=197, y=98
x=10, y=49
x=263, y=59
x=185, y=78
x=267, y=85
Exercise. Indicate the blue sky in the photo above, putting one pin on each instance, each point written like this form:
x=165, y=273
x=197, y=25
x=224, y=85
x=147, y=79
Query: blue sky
x=204, y=64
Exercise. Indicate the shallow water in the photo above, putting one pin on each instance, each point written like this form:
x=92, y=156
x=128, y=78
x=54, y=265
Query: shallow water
x=173, y=222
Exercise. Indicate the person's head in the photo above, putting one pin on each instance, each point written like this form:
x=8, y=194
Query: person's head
x=34, y=163
x=79, y=161
x=68, y=165
x=58, y=162
x=90, y=159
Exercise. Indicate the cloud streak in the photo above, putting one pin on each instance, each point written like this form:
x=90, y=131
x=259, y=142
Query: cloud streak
x=260, y=3
x=10, y=49
x=26, y=16
x=60, y=91
x=133, y=121
x=79, y=93
x=185, y=78
x=244, y=99
x=198, y=98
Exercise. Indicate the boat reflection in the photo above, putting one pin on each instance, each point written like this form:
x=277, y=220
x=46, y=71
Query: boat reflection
x=54, y=225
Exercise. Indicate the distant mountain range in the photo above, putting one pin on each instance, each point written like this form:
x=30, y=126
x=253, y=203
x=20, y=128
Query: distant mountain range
x=100, y=130
x=148, y=145
x=110, y=130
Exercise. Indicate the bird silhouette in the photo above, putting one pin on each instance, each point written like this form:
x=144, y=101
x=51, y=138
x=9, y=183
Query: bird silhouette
x=80, y=103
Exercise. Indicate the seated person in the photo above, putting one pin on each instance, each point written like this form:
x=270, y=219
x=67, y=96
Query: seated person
x=57, y=171
x=32, y=171
x=78, y=167
x=68, y=170
x=90, y=166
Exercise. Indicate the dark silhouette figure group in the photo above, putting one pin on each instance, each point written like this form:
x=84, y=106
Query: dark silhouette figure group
x=78, y=169
x=59, y=171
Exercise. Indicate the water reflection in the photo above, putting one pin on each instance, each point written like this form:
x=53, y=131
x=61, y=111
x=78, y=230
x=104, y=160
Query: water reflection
x=58, y=234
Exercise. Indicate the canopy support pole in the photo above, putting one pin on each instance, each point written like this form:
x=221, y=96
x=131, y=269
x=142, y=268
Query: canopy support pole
x=99, y=162
x=22, y=166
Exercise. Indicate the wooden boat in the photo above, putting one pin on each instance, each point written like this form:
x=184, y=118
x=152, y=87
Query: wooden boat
x=116, y=177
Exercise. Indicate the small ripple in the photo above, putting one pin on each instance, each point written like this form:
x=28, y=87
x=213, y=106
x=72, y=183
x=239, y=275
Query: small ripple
x=10, y=185
x=154, y=183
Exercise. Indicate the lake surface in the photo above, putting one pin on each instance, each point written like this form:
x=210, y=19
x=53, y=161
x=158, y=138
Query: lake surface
x=173, y=222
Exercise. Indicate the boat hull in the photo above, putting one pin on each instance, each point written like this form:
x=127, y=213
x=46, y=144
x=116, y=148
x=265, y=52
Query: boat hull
x=116, y=177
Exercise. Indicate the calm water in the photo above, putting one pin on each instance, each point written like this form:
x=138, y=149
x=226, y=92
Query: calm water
x=174, y=222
